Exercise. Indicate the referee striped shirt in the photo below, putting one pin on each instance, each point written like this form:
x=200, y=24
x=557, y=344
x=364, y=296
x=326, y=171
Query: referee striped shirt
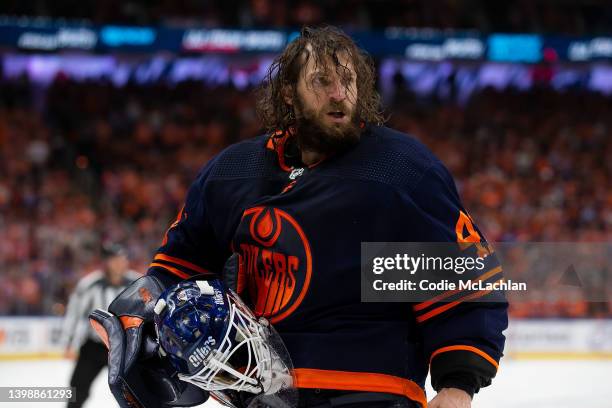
x=94, y=291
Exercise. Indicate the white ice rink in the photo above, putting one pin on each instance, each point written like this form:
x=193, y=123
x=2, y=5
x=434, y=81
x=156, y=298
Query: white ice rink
x=519, y=384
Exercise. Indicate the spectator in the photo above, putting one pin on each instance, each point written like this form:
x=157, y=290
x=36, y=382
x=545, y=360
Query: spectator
x=103, y=163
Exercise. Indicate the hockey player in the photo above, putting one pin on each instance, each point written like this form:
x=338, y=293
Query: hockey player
x=95, y=290
x=293, y=207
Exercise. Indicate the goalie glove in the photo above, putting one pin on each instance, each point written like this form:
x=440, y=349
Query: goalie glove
x=138, y=376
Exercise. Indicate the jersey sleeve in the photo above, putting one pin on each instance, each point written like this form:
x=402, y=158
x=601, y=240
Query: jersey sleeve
x=461, y=329
x=189, y=246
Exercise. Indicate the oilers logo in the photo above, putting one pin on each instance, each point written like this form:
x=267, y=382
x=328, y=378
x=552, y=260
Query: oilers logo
x=199, y=354
x=276, y=261
x=218, y=297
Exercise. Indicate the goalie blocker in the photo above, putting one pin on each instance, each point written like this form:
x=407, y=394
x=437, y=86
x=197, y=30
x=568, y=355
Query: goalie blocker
x=138, y=377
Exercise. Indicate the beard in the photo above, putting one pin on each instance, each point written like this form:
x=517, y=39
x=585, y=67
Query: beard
x=315, y=135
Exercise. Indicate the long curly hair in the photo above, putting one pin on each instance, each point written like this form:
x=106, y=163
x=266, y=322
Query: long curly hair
x=283, y=74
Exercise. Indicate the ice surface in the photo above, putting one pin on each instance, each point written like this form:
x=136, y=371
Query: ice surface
x=519, y=384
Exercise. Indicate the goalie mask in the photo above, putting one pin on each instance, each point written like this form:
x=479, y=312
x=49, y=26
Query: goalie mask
x=216, y=343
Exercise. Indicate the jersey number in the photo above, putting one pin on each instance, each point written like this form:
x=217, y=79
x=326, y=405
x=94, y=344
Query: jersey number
x=465, y=223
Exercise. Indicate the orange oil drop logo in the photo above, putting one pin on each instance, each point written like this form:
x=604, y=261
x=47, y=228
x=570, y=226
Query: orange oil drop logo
x=276, y=262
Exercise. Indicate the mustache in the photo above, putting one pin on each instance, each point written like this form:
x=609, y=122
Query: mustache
x=336, y=107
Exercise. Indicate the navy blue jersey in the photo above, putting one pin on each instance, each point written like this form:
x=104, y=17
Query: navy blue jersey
x=298, y=233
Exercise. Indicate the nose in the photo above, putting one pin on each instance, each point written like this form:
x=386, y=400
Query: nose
x=337, y=91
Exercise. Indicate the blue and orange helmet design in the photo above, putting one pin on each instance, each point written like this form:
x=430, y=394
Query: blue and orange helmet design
x=191, y=319
x=215, y=342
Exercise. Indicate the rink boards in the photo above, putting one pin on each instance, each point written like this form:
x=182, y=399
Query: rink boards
x=40, y=338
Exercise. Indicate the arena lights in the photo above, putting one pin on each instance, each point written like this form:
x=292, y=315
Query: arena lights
x=64, y=37
x=233, y=40
x=515, y=48
x=34, y=35
x=115, y=36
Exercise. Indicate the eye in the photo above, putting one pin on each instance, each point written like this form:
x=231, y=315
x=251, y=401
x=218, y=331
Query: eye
x=321, y=80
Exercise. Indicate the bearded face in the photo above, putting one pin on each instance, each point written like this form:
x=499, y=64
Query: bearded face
x=329, y=129
x=324, y=104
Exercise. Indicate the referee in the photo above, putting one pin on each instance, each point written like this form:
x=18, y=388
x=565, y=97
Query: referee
x=95, y=290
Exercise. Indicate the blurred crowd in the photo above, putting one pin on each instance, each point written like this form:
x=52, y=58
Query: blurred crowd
x=544, y=16
x=532, y=166
x=87, y=163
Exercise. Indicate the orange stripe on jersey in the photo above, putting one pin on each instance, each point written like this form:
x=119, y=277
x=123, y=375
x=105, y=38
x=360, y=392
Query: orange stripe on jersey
x=467, y=348
x=174, y=224
x=355, y=381
x=277, y=144
x=270, y=144
x=444, y=295
x=289, y=186
x=175, y=271
x=129, y=322
x=181, y=262
x=450, y=305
